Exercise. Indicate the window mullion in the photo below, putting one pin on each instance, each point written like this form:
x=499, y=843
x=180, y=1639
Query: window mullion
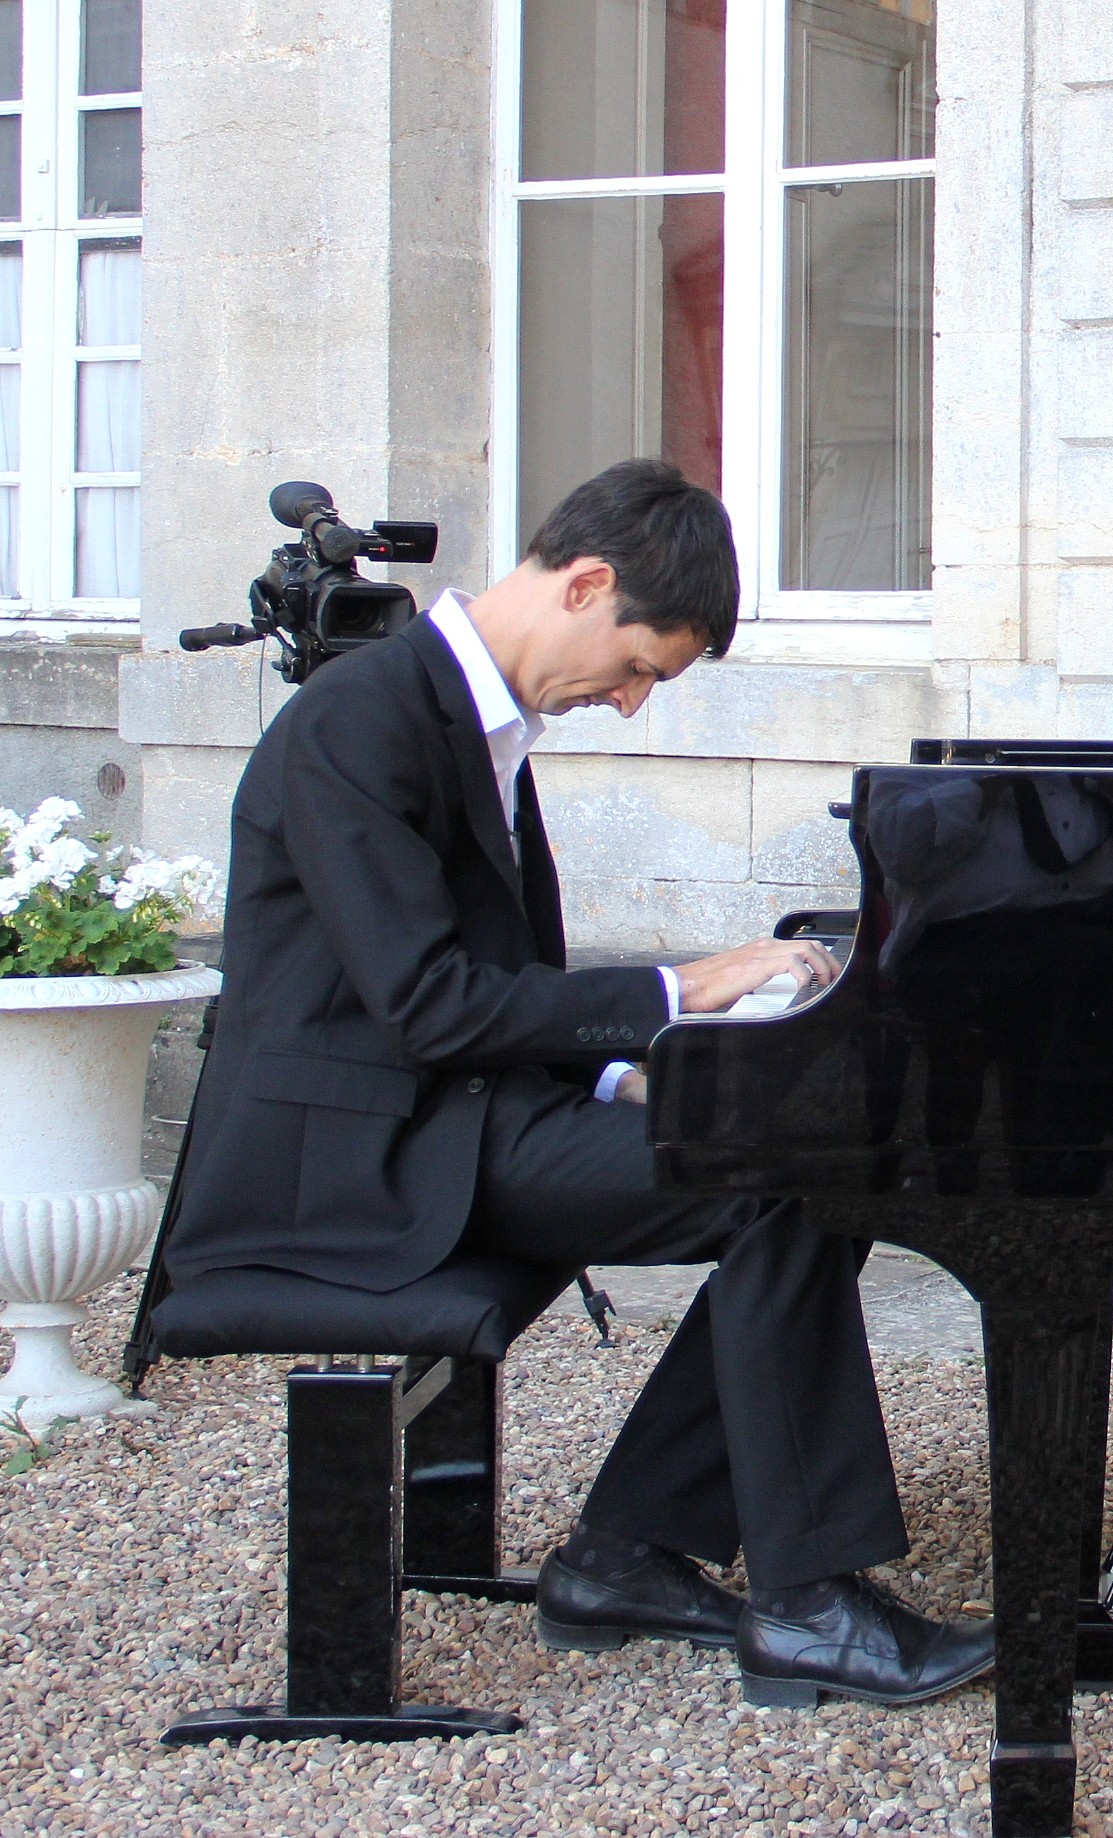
x=69, y=69
x=64, y=420
x=743, y=287
x=769, y=188
x=39, y=209
x=505, y=235
x=36, y=400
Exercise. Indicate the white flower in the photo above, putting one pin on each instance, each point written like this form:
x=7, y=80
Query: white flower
x=20, y=886
x=62, y=861
x=189, y=883
x=49, y=820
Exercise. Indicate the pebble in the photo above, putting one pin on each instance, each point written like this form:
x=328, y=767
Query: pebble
x=141, y=1575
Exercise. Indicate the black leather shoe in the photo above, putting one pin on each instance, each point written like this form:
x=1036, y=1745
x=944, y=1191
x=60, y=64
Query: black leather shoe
x=662, y=1597
x=859, y=1643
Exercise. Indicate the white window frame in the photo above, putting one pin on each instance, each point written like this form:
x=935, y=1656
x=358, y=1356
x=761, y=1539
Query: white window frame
x=51, y=233
x=894, y=626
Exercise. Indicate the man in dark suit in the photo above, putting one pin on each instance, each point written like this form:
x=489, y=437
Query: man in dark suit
x=404, y=1066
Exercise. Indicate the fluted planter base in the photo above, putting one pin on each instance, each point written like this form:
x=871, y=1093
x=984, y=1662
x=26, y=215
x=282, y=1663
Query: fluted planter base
x=74, y=1208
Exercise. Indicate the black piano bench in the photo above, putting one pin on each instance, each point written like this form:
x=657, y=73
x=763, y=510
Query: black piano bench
x=394, y=1475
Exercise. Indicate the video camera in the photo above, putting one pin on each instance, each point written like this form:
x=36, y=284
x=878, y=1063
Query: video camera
x=311, y=597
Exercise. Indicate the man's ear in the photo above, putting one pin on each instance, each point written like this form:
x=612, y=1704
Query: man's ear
x=587, y=580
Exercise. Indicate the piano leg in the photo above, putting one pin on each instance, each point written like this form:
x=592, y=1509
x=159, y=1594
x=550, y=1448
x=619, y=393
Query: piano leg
x=1038, y=1381
x=1094, y=1662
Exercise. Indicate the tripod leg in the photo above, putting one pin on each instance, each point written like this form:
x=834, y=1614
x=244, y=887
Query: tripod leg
x=141, y=1351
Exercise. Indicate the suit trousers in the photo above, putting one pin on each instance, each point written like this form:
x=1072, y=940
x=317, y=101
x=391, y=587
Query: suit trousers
x=760, y=1426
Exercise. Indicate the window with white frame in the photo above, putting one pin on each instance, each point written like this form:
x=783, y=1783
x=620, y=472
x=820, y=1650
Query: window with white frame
x=713, y=243
x=69, y=309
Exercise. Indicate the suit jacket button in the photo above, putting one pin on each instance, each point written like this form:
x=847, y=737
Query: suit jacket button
x=583, y=1033
x=598, y=1033
x=612, y=1034
x=475, y=1085
x=626, y=1033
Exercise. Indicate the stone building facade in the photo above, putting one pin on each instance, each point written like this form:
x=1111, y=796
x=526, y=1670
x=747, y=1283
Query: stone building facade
x=330, y=292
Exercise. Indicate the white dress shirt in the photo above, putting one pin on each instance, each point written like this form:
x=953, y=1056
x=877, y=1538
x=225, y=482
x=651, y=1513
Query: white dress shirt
x=510, y=734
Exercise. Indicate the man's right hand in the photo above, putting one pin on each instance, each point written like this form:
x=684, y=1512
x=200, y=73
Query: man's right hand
x=715, y=982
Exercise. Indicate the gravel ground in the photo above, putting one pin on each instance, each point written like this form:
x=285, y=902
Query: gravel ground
x=143, y=1575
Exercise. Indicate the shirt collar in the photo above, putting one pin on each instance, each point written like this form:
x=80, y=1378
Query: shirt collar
x=494, y=703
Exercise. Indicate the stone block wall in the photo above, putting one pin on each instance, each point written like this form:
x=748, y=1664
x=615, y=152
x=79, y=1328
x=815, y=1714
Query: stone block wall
x=317, y=304
x=59, y=722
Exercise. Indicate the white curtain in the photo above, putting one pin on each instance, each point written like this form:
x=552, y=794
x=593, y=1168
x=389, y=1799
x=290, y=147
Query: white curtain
x=108, y=427
x=11, y=338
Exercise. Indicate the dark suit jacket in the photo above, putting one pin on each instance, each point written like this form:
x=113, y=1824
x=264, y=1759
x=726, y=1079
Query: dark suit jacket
x=383, y=966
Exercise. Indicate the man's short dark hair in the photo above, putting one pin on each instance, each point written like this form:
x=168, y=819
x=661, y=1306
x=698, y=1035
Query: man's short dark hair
x=668, y=541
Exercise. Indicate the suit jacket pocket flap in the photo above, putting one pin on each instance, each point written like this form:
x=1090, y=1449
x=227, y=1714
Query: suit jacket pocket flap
x=339, y=1084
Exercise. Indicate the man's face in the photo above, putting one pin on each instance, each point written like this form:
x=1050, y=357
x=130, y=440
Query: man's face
x=581, y=658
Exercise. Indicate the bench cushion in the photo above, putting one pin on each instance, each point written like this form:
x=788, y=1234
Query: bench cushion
x=470, y=1307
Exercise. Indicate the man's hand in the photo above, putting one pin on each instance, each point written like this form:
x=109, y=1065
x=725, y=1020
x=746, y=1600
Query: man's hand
x=632, y=1086
x=715, y=982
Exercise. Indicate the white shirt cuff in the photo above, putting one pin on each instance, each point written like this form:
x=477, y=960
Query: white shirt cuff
x=609, y=1077
x=671, y=983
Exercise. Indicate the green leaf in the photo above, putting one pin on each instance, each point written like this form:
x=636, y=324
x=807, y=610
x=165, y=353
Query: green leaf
x=19, y=1463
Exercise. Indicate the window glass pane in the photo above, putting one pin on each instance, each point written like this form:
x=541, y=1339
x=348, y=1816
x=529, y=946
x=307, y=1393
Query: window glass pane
x=861, y=81
x=110, y=156
x=858, y=387
x=111, y=47
x=109, y=300
x=9, y=417
x=107, y=558
x=621, y=341
x=9, y=542
x=614, y=88
x=11, y=50
x=10, y=191
x=11, y=290
x=108, y=402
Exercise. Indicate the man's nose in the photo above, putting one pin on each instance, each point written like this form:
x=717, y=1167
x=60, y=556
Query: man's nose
x=630, y=698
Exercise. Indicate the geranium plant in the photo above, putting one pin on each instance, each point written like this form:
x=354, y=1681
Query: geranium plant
x=75, y=908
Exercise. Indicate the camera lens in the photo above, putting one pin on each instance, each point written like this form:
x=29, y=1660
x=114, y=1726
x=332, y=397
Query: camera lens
x=351, y=612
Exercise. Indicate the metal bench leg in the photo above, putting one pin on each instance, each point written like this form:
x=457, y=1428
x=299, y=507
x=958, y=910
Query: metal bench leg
x=453, y=1481
x=344, y=1591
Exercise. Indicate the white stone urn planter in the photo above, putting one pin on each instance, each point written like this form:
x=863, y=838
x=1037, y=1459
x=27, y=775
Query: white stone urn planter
x=74, y=1208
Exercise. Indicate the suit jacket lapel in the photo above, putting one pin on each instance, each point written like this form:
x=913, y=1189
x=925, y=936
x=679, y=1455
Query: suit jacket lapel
x=469, y=746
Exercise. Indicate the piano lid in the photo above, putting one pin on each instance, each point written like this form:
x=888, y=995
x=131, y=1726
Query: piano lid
x=967, y=1048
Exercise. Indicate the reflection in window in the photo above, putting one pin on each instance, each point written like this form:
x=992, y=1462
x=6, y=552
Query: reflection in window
x=110, y=163
x=856, y=511
x=621, y=340
x=10, y=188
x=11, y=50
x=621, y=88
x=861, y=81
x=111, y=47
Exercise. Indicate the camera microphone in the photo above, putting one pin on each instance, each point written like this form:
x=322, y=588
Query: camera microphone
x=307, y=507
x=292, y=503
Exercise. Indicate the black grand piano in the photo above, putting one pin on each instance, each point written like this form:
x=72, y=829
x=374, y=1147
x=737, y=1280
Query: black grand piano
x=952, y=1091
